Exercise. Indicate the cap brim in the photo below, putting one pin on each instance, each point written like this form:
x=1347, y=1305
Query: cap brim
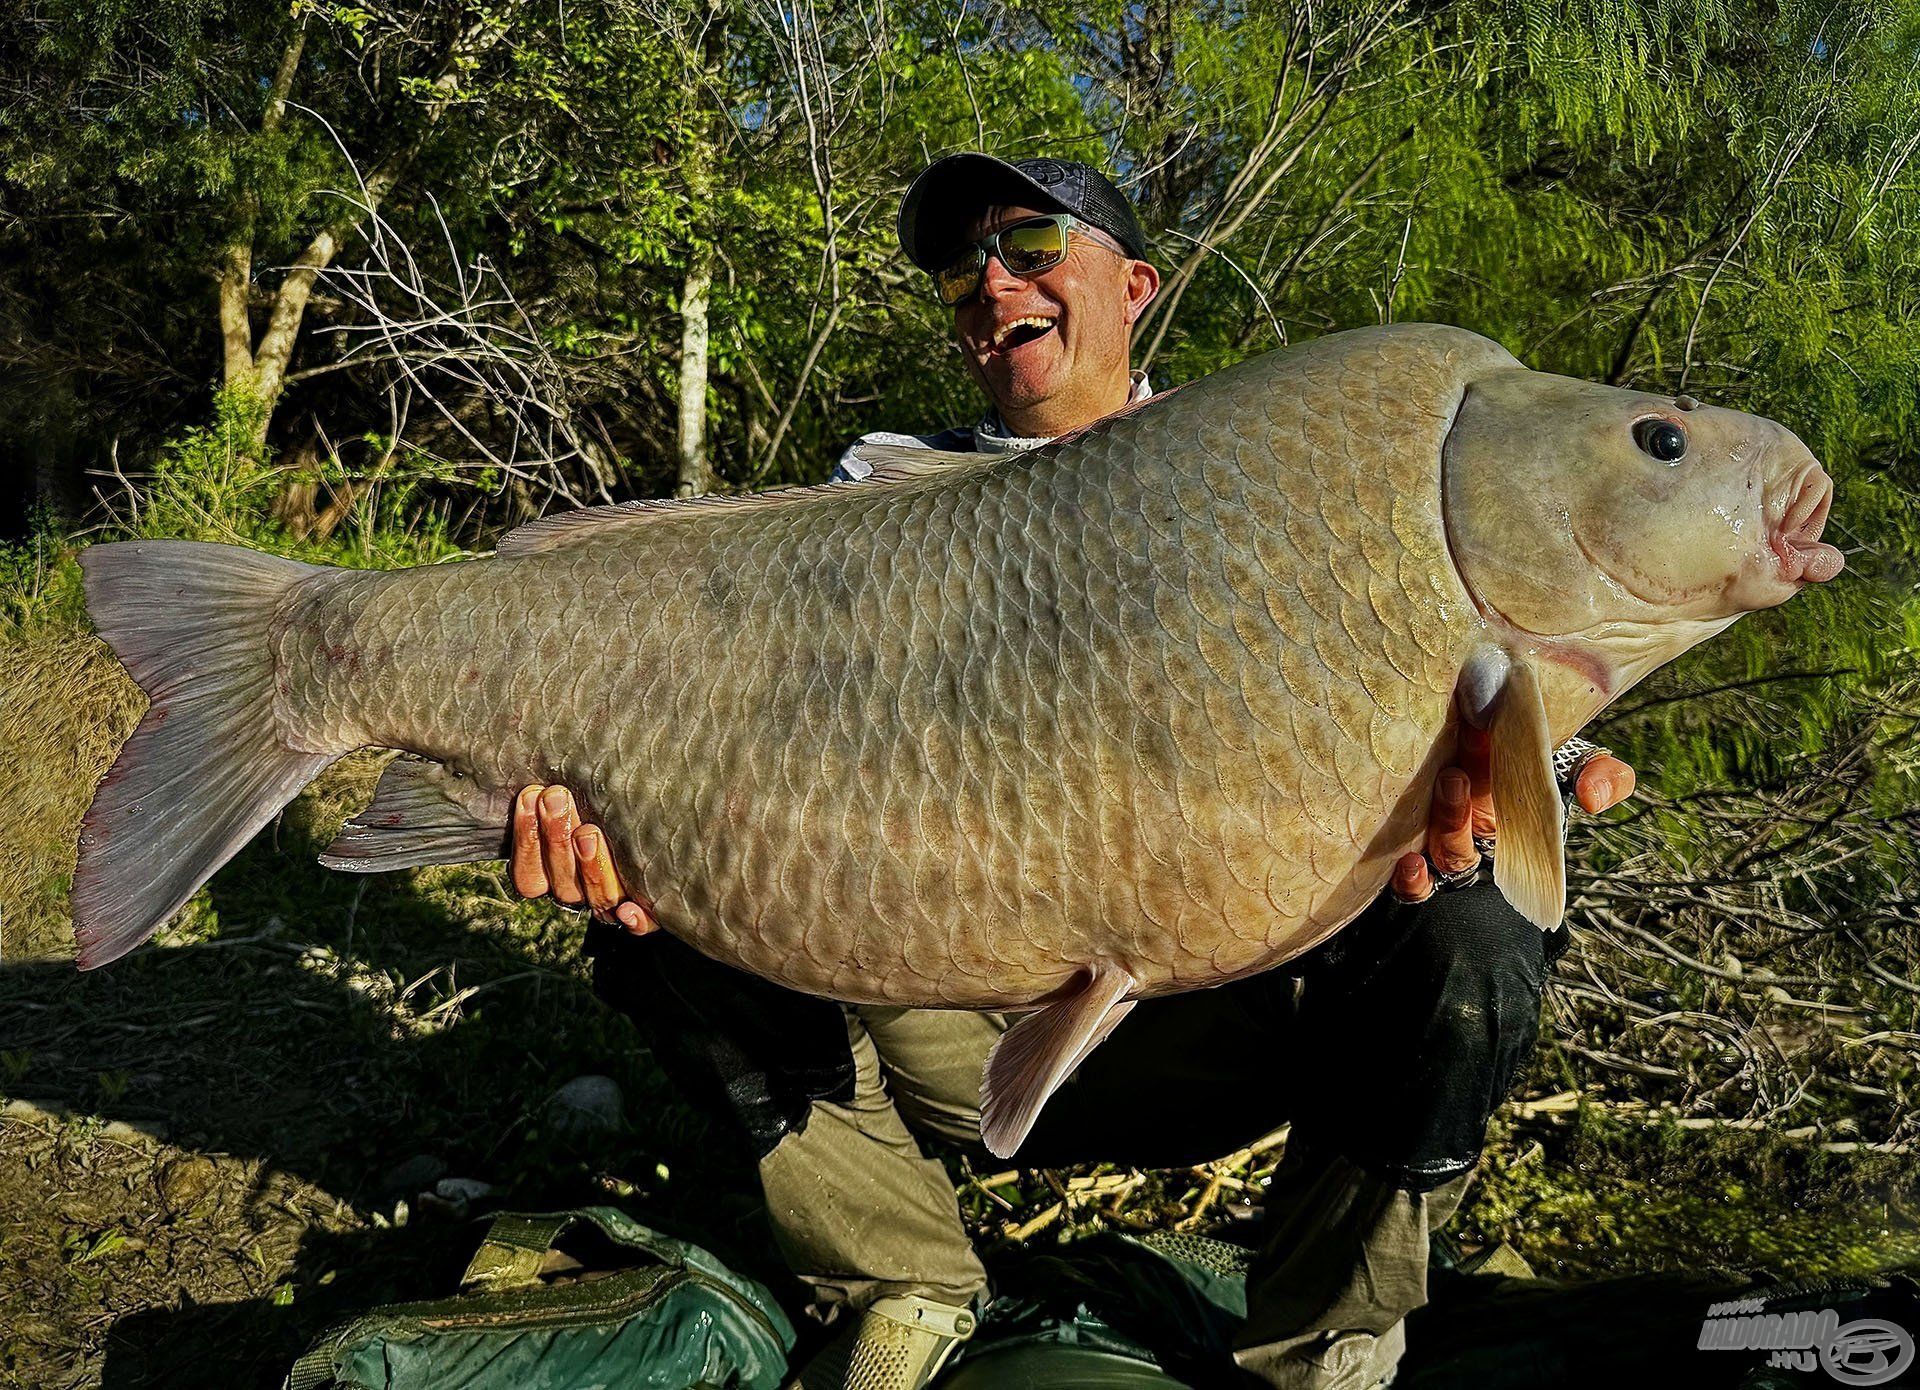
x=950, y=192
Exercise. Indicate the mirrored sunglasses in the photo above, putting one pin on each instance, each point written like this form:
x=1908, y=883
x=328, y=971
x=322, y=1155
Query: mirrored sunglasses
x=1025, y=248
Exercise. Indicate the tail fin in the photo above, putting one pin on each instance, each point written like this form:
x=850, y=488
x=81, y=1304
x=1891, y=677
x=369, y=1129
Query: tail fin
x=207, y=767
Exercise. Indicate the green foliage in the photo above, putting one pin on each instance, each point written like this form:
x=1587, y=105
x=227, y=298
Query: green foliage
x=208, y=482
x=37, y=586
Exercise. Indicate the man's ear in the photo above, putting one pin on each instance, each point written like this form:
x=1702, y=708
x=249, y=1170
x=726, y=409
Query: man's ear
x=1143, y=283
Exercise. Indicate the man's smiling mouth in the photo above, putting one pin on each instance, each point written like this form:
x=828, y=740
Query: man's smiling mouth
x=1019, y=332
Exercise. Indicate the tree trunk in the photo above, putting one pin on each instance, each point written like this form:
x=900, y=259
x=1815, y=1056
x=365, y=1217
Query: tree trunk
x=700, y=157
x=259, y=368
x=695, y=475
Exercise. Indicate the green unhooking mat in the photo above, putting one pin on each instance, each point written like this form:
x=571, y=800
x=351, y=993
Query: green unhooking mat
x=570, y=1301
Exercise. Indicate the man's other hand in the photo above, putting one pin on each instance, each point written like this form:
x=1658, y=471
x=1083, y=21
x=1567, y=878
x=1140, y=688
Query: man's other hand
x=555, y=852
x=1463, y=810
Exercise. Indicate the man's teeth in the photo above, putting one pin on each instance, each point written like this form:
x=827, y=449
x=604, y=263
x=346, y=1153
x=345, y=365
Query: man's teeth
x=1006, y=330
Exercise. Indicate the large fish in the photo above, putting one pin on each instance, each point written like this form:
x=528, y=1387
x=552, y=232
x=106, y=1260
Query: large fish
x=1150, y=708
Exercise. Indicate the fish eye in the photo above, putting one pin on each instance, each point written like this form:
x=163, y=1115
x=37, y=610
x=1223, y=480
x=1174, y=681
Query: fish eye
x=1662, y=439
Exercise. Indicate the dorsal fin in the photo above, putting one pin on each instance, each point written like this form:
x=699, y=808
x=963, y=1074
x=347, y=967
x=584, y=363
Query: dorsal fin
x=892, y=463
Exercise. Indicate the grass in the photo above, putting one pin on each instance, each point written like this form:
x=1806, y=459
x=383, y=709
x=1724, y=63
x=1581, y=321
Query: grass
x=1610, y=1197
x=65, y=706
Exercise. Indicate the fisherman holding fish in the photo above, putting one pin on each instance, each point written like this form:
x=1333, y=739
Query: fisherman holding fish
x=1090, y=760
x=1387, y=1047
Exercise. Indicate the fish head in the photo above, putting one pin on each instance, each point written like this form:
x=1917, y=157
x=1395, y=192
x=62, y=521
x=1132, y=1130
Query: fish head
x=1619, y=528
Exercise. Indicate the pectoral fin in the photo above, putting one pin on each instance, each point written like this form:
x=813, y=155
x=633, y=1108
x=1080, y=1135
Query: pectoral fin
x=1040, y=1051
x=1529, y=861
x=422, y=813
x=1482, y=681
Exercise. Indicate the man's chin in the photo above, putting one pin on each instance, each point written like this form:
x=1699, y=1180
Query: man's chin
x=1016, y=388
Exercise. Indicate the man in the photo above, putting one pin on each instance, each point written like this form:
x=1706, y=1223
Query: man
x=1387, y=1047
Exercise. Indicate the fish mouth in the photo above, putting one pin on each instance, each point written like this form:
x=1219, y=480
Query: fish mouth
x=1804, y=558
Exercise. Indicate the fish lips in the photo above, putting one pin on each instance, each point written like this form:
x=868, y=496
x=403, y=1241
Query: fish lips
x=1789, y=554
x=1794, y=540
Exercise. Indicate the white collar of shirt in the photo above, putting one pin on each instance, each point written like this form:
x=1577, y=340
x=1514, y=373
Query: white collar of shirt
x=990, y=435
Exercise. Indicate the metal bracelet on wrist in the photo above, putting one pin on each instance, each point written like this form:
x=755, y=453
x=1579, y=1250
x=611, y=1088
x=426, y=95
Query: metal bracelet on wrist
x=1570, y=758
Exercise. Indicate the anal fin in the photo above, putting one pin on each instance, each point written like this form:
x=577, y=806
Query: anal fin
x=1040, y=1051
x=1529, y=860
x=422, y=813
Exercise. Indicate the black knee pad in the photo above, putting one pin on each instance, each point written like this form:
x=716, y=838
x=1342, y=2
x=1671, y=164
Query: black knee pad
x=1420, y=1017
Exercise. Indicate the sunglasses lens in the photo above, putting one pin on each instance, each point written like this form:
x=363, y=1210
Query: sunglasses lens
x=960, y=279
x=1026, y=248
x=1031, y=247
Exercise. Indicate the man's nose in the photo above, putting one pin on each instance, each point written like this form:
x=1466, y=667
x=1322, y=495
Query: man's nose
x=997, y=280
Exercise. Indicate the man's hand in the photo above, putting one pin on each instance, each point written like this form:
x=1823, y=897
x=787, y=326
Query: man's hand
x=554, y=853
x=1463, y=810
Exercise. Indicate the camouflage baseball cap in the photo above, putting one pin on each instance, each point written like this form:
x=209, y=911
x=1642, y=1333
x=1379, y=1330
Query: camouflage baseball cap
x=951, y=191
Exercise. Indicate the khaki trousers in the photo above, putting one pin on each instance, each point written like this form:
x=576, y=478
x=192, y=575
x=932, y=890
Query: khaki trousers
x=861, y=1213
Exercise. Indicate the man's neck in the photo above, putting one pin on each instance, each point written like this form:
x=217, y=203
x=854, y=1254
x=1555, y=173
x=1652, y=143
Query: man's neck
x=1056, y=416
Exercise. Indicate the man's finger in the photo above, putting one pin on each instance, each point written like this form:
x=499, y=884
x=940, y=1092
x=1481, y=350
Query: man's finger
x=556, y=845
x=1450, y=823
x=635, y=918
x=1605, y=781
x=1475, y=758
x=529, y=874
x=597, y=875
x=1411, y=881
